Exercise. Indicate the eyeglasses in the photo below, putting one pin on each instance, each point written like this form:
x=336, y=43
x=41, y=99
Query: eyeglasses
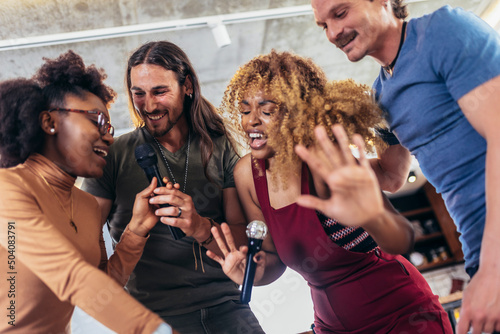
x=102, y=122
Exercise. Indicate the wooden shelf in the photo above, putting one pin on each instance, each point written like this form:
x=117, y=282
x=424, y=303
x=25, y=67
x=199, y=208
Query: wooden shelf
x=421, y=206
x=445, y=222
x=427, y=237
x=451, y=298
x=418, y=211
x=432, y=266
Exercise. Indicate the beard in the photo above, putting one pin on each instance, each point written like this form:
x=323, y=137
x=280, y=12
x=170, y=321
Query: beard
x=161, y=130
x=158, y=132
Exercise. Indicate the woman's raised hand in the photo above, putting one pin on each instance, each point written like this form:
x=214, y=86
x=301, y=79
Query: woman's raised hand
x=354, y=197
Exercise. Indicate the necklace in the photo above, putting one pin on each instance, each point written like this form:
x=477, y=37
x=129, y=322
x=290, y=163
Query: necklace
x=389, y=68
x=59, y=201
x=168, y=166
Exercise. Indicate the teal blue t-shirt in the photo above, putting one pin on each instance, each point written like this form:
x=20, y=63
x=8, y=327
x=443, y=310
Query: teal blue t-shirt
x=446, y=55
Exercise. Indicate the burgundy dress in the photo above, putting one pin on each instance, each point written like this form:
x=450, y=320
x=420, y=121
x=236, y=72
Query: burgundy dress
x=352, y=292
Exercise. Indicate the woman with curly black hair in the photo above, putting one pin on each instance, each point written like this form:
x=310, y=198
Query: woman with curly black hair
x=357, y=286
x=55, y=128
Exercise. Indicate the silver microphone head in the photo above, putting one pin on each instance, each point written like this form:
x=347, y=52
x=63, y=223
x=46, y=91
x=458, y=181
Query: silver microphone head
x=257, y=229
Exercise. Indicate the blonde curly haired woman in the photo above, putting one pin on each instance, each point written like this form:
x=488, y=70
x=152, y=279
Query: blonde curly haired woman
x=276, y=101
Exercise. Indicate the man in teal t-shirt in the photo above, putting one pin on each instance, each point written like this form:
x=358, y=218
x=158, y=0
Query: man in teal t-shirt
x=440, y=85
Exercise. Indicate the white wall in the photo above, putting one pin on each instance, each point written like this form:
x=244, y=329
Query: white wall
x=284, y=306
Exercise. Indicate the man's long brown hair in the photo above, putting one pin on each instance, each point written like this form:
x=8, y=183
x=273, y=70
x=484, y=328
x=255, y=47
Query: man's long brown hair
x=201, y=115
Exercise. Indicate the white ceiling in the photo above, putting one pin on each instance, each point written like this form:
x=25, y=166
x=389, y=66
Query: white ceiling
x=215, y=66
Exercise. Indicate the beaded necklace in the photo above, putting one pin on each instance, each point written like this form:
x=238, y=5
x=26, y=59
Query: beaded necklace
x=168, y=165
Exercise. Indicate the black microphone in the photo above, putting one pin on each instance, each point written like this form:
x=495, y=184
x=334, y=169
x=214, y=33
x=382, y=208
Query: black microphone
x=147, y=159
x=256, y=232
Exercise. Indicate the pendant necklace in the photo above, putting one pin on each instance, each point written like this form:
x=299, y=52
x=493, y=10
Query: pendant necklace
x=59, y=201
x=168, y=166
x=389, y=68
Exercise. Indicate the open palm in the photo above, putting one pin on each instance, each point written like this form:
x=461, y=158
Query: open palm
x=355, y=197
x=234, y=261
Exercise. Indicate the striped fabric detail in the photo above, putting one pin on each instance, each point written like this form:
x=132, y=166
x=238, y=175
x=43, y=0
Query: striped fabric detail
x=354, y=239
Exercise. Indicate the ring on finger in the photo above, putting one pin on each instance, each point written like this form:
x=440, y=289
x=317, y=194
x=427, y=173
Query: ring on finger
x=180, y=212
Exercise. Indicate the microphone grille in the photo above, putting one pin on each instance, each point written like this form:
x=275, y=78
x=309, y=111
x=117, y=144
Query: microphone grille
x=257, y=229
x=145, y=155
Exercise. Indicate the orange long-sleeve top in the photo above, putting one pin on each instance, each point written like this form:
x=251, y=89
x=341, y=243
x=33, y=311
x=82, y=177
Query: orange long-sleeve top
x=47, y=267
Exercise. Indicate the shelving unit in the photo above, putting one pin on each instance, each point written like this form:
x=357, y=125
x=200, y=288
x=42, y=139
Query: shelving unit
x=436, y=237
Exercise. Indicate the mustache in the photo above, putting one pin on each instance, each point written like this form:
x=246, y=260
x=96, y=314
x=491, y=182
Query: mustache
x=155, y=111
x=345, y=38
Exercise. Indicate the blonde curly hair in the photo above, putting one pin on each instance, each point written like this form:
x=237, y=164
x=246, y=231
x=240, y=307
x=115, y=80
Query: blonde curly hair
x=304, y=100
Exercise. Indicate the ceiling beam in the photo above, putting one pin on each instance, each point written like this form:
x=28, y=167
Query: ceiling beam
x=156, y=27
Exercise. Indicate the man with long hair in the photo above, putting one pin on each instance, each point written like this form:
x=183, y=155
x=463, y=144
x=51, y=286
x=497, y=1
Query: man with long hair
x=175, y=278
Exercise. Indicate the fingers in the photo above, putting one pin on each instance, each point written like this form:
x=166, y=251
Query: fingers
x=327, y=155
x=481, y=325
x=463, y=324
x=169, y=194
x=170, y=189
x=488, y=327
x=218, y=238
x=170, y=185
x=228, y=235
x=173, y=197
x=326, y=149
x=467, y=324
x=480, y=310
x=149, y=190
x=225, y=244
x=341, y=137
x=215, y=257
x=462, y=327
x=313, y=161
x=146, y=194
x=360, y=143
x=312, y=202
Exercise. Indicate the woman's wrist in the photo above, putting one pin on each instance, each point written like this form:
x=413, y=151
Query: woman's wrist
x=138, y=228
